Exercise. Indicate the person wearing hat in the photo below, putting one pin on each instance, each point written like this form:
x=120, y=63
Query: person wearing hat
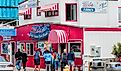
x=37, y=59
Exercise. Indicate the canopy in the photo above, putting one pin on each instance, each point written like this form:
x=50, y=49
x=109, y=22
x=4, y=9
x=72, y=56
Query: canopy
x=57, y=36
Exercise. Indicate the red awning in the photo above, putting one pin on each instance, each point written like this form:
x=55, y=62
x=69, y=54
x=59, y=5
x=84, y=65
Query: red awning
x=51, y=7
x=57, y=36
x=27, y=11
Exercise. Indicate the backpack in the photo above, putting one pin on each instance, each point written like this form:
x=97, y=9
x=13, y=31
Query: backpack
x=36, y=55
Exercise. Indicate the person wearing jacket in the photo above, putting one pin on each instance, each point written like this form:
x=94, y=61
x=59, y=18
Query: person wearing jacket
x=24, y=59
x=18, y=57
x=48, y=58
x=71, y=58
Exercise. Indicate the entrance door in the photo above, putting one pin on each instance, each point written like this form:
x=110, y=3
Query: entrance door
x=62, y=47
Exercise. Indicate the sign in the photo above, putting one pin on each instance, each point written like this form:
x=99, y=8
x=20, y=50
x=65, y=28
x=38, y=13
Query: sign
x=94, y=6
x=6, y=38
x=7, y=32
x=40, y=32
x=28, y=4
x=95, y=51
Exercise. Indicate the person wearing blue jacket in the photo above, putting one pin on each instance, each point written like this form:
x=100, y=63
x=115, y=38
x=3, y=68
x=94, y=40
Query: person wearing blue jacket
x=48, y=58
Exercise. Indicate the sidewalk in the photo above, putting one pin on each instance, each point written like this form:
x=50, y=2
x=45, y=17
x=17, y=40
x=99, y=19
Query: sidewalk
x=28, y=69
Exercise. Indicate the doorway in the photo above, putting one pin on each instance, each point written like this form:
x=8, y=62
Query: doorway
x=62, y=47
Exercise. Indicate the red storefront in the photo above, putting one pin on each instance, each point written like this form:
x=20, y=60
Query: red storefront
x=29, y=41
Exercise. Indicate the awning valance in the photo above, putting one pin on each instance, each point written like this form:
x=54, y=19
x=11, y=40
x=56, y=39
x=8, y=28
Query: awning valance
x=51, y=7
x=57, y=36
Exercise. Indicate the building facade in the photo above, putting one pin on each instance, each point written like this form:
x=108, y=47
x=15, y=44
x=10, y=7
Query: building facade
x=84, y=22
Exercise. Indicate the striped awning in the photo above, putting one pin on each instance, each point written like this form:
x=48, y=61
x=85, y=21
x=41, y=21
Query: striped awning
x=57, y=36
x=27, y=11
x=51, y=7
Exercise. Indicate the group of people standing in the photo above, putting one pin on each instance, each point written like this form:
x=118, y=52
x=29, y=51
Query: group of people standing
x=21, y=58
x=53, y=59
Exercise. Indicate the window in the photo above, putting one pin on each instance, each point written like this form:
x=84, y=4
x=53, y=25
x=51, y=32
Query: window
x=22, y=47
x=76, y=48
x=71, y=12
x=29, y=48
x=119, y=14
x=27, y=16
x=51, y=13
x=4, y=48
x=38, y=13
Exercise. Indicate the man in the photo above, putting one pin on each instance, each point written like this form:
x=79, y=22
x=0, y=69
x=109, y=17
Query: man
x=71, y=58
x=48, y=58
x=18, y=57
x=24, y=59
x=37, y=59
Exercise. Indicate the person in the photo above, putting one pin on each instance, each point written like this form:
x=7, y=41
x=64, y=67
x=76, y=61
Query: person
x=37, y=59
x=64, y=59
x=57, y=60
x=53, y=60
x=24, y=59
x=18, y=57
x=48, y=58
x=70, y=58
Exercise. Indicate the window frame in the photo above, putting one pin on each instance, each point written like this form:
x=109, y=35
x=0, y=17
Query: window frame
x=66, y=12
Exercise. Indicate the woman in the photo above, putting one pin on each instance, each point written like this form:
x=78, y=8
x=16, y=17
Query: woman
x=37, y=59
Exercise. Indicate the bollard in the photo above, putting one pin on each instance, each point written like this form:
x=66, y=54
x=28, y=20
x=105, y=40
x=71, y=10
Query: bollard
x=66, y=68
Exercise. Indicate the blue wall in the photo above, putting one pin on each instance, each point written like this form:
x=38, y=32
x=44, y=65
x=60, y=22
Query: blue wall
x=9, y=9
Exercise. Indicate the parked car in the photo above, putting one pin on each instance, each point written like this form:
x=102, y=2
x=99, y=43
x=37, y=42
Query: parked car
x=5, y=65
x=113, y=66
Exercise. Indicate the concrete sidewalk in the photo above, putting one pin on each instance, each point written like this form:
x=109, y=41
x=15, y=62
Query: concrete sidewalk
x=28, y=69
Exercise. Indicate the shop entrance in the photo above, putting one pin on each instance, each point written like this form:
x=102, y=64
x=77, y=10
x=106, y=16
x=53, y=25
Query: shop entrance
x=62, y=47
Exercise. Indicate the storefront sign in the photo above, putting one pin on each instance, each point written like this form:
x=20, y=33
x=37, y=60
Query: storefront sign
x=7, y=32
x=94, y=6
x=6, y=38
x=40, y=32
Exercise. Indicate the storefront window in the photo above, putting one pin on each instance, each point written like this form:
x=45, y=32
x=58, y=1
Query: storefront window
x=76, y=47
x=4, y=48
x=29, y=48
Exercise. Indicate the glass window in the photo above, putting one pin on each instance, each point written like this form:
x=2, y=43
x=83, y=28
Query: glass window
x=51, y=13
x=29, y=48
x=22, y=47
x=71, y=12
x=119, y=13
x=4, y=48
x=75, y=47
